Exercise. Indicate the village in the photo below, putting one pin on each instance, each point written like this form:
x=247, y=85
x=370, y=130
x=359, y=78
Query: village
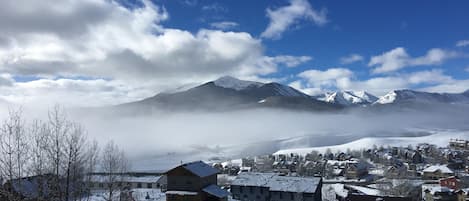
x=425, y=172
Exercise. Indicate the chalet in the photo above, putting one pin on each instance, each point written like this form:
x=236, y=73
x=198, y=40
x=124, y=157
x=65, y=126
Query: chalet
x=195, y=181
x=437, y=172
x=272, y=187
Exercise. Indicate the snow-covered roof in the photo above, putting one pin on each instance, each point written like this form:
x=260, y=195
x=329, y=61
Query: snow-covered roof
x=253, y=179
x=441, y=168
x=215, y=191
x=294, y=184
x=199, y=168
x=127, y=178
x=278, y=183
x=365, y=190
x=181, y=193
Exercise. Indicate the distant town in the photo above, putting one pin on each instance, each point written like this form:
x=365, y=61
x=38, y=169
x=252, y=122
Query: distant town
x=424, y=172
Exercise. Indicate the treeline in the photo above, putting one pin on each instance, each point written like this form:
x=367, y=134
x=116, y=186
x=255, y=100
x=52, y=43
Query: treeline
x=57, y=155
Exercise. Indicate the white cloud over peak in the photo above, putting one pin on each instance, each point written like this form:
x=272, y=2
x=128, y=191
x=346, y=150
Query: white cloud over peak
x=352, y=58
x=398, y=58
x=315, y=82
x=284, y=17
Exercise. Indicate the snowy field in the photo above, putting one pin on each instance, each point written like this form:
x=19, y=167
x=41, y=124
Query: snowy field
x=138, y=194
x=439, y=138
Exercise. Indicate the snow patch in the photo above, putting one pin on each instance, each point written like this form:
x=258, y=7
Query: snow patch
x=234, y=83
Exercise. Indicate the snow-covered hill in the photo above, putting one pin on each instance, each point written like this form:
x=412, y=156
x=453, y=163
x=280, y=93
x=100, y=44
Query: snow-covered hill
x=439, y=138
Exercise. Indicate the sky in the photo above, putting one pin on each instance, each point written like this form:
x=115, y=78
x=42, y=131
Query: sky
x=103, y=52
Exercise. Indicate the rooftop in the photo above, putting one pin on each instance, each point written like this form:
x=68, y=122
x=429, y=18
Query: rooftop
x=278, y=183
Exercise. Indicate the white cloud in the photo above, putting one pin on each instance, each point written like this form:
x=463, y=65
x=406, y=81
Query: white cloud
x=102, y=39
x=398, y=58
x=224, y=25
x=467, y=69
x=462, y=43
x=282, y=18
x=287, y=60
x=314, y=82
x=6, y=80
x=215, y=7
x=352, y=58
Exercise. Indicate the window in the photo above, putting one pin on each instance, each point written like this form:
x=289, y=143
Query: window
x=241, y=188
x=139, y=185
x=291, y=196
x=262, y=191
x=251, y=189
x=149, y=185
x=281, y=195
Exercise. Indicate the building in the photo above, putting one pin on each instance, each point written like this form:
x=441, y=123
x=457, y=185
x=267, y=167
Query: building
x=451, y=182
x=272, y=187
x=195, y=181
x=437, y=172
x=131, y=181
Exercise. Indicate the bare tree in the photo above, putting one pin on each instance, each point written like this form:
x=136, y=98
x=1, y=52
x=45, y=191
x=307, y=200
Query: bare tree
x=59, y=128
x=92, y=160
x=13, y=148
x=114, y=163
x=38, y=164
x=75, y=150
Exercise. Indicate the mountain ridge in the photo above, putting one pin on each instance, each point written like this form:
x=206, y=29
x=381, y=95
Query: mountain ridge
x=229, y=93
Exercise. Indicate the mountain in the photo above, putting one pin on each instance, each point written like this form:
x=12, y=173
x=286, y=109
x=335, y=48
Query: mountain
x=406, y=96
x=349, y=98
x=229, y=93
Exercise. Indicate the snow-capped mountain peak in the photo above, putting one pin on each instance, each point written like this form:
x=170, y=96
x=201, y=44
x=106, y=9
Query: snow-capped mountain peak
x=234, y=83
x=387, y=98
x=350, y=98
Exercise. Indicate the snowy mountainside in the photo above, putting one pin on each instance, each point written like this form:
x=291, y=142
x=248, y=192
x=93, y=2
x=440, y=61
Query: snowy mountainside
x=411, y=96
x=349, y=98
x=234, y=83
x=439, y=138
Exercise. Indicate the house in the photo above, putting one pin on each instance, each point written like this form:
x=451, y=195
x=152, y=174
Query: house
x=355, y=169
x=451, y=182
x=360, y=193
x=439, y=193
x=271, y=186
x=131, y=181
x=195, y=181
x=437, y=172
x=459, y=144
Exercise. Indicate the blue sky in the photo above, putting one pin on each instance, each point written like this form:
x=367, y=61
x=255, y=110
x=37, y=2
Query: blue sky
x=101, y=52
x=367, y=28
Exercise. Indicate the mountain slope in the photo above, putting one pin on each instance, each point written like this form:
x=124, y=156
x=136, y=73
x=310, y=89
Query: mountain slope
x=406, y=96
x=228, y=93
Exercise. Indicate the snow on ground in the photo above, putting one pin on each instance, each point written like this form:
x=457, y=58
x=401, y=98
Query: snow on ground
x=439, y=138
x=139, y=194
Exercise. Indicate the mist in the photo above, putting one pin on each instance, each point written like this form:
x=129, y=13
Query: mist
x=162, y=139
x=152, y=139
